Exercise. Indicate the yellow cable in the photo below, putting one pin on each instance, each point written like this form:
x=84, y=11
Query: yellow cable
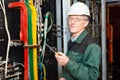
x=34, y=35
x=44, y=71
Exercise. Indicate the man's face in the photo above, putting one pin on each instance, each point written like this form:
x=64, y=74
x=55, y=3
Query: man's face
x=77, y=24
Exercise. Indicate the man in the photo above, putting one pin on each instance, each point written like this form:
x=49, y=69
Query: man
x=83, y=56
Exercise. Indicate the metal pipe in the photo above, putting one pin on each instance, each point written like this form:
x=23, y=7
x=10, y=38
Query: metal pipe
x=65, y=6
x=103, y=9
x=58, y=22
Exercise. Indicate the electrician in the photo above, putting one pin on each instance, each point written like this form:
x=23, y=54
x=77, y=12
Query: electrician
x=83, y=57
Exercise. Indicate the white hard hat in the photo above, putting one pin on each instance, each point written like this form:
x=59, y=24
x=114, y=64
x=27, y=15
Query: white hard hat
x=79, y=8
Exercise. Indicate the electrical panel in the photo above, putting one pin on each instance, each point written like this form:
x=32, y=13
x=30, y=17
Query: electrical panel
x=12, y=64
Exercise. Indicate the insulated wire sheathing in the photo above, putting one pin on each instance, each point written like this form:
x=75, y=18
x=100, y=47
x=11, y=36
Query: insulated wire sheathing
x=39, y=20
x=8, y=34
x=46, y=30
x=39, y=29
x=16, y=63
x=44, y=70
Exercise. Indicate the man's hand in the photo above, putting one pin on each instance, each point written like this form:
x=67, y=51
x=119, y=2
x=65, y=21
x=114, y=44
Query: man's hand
x=62, y=79
x=62, y=59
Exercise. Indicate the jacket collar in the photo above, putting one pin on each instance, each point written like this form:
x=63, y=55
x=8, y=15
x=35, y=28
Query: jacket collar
x=81, y=36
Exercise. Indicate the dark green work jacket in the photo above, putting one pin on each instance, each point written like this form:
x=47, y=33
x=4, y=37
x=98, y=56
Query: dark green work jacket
x=85, y=57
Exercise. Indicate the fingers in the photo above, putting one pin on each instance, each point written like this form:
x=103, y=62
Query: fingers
x=60, y=54
x=62, y=79
x=61, y=58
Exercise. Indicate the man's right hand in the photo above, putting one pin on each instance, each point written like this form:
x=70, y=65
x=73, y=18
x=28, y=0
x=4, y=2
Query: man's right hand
x=61, y=58
x=62, y=79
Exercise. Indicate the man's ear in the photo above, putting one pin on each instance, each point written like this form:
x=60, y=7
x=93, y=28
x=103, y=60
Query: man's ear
x=86, y=23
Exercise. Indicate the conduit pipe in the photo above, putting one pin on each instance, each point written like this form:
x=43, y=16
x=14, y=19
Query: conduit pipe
x=103, y=39
x=23, y=31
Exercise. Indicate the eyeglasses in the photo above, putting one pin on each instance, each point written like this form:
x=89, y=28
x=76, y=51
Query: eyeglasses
x=76, y=19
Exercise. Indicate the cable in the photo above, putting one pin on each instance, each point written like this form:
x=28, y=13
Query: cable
x=2, y=62
x=46, y=30
x=44, y=71
x=8, y=34
x=40, y=67
x=39, y=20
x=16, y=63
